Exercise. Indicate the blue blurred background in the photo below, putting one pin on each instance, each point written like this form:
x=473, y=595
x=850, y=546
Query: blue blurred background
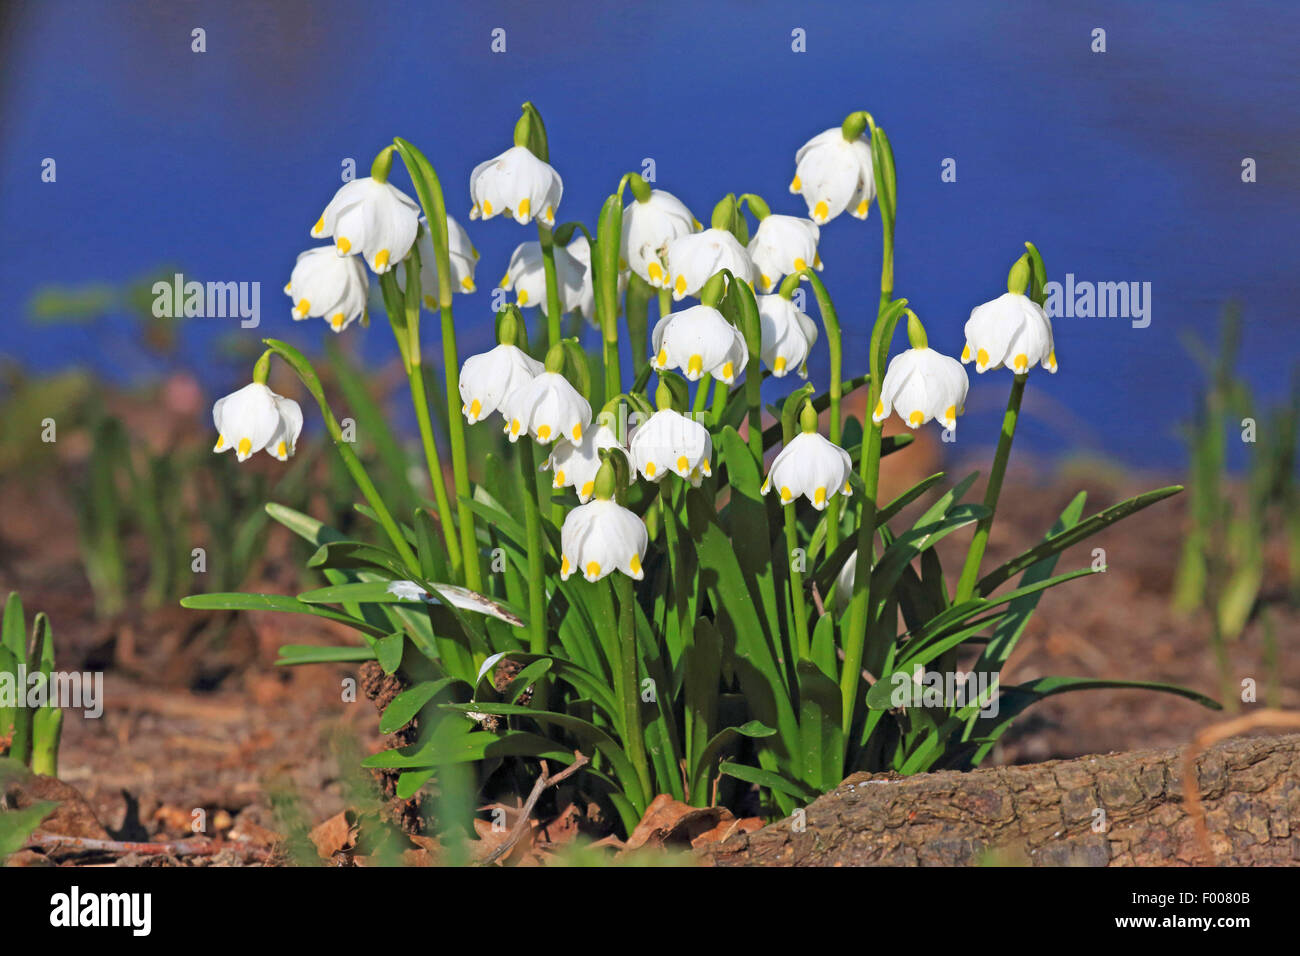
x=1122, y=166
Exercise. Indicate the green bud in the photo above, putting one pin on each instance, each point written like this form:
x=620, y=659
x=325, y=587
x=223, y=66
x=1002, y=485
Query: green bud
x=724, y=212
x=606, y=480
x=530, y=132
x=508, y=327
x=262, y=369
x=383, y=165
x=916, y=331
x=555, y=358
x=757, y=205
x=640, y=188
x=711, y=292
x=855, y=124
x=808, y=418
x=1018, y=277
x=663, y=396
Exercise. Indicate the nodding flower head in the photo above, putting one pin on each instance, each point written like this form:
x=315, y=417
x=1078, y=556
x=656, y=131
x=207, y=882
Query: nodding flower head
x=546, y=408
x=462, y=256
x=1012, y=331
x=516, y=184
x=812, y=466
x=699, y=341
x=526, y=275
x=255, y=418
x=784, y=245
x=575, y=464
x=921, y=384
x=489, y=379
x=329, y=286
x=834, y=174
x=648, y=228
x=602, y=536
x=788, y=335
x=373, y=219
x=696, y=258
x=671, y=442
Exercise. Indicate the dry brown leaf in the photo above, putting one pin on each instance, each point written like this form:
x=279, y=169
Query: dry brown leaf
x=668, y=821
x=336, y=834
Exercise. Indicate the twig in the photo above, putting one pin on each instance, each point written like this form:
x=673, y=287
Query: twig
x=182, y=848
x=545, y=780
x=1208, y=737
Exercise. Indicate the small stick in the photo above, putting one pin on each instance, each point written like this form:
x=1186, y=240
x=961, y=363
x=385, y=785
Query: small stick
x=183, y=848
x=545, y=780
x=1207, y=738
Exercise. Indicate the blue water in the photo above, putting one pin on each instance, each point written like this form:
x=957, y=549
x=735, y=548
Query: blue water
x=1123, y=166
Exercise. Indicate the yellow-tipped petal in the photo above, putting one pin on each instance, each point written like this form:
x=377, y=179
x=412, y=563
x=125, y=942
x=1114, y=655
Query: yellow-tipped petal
x=965, y=352
x=879, y=413
x=514, y=427
x=800, y=265
x=475, y=409
x=221, y=443
x=593, y=570
x=1051, y=362
x=576, y=432
x=683, y=465
x=543, y=432
x=1021, y=362
x=317, y=229
x=680, y=286
x=588, y=489
x=487, y=208
x=662, y=358
x=695, y=365
x=245, y=448
x=796, y=184
x=819, y=496
x=916, y=418
x=336, y=321
x=655, y=271
x=786, y=496
x=635, y=564
x=344, y=244
x=381, y=258
x=950, y=415
x=821, y=211
x=281, y=451
x=649, y=469
x=780, y=364
x=564, y=564
x=862, y=208
x=524, y=206
x=302, y=308
x=467, y=284
x=728, y=371
x=982, y=360
x=559, y=479
x=523, y=296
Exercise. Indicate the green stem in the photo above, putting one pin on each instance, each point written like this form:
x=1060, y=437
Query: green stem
x=800, y=608
x=459, y=464
x=835, y=345
x=665, y=302
x=970, y=571
x=536, y=556
x=633, y=732
x=547, y=239
x=701, y=394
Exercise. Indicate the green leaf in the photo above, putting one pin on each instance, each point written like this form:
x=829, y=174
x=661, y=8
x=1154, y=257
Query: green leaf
x=388, y=651
x=704, y=763
x=402, y=708
x=294, y=654
x=236, y=601
x=16, y=826
x=768, y=779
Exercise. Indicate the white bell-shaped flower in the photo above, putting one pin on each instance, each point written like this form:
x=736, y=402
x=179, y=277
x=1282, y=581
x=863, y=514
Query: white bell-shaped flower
x=526, y=275
x=834, y=174
x=921, y=384
x=783, y=245
x=602, y=536
x=1012, y=331
x=670, y=441
x=699, y=341
x=788, y=335
x=326, y=285
x=696, y=258
x=580, y=249
x=376, y=220
x=812, y=466
x=255, y=418
x=463, y=258
x=488, y=379
x=575, y=464
x=648, y=228
x=517, y=184
x=547, y=408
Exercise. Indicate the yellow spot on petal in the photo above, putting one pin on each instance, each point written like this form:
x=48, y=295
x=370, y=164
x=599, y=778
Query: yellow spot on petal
x=221, y=443
x=475, y=408
x=965, y=352
x=705, y=467
x=916, y=418
x=847, y=489
x=796, y=184
x=281, y=451
x=302, y=308
x=487, y=208
x=467, y=284
x=862, y=208
x=680, y=286
x=336, y=321
x=635, y=564
x=785, y=494
x=950, y=415
x=817, y=261
x=1051, y=362
x=317, y=229
x=649, y=469
x=514, y=427
x=381, y=258
x=819, y=496
x=780, y=364
x=550, y=215
x=344, y=244
x=662, y=358
x=821, y=212
x=767, y=281
x=288, y=288
x=525, y=206
x=728, y=371
x=695, y=365
x=655, y=271
x=682, y=464
x=982, y=358
x=1021, y=362
x=880, y=410
x=576, y=432
x=559, y=479
x=523, y=296
x=564, y=565
x=588, y=488
x=800, y=265
x=245, y=448
x=543, y=432
x=593, y=570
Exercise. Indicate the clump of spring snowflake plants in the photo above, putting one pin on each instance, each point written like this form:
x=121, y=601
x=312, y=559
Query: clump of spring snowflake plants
x=700, y=592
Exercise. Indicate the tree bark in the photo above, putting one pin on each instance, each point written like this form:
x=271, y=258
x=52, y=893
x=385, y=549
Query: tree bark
x=1115, y=810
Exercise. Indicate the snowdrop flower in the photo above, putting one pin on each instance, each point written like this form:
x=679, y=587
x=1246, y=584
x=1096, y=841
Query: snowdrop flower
x=372, y=218
x=669, y=441
x=921, y=384
x=788, y=335
x=575, y=464
x=526, y=275
x=326, y=285
x=462, y=256
x=648, y=227
x=784, y=245
x=810, y=465
x=696, y=258
x=254, y=418
x=600, y=536
x=580, y=249
x=517, y=184
x=699, y=341
x=1012, y=331
x=489, y=379
x=547, y=408
x=833, y=173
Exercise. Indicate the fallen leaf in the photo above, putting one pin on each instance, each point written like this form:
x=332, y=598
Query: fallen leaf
x=336, y=834
x=668, y=821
